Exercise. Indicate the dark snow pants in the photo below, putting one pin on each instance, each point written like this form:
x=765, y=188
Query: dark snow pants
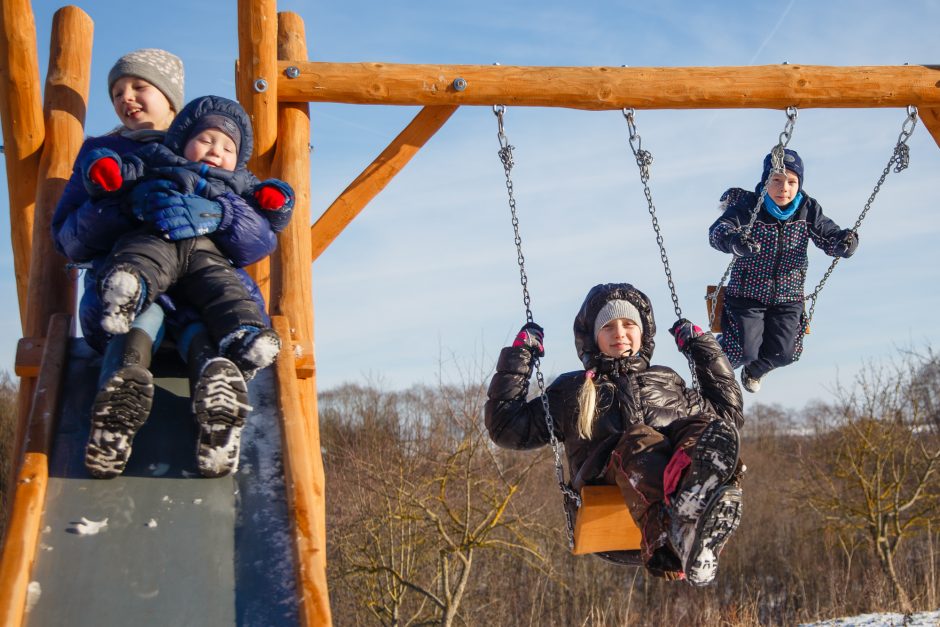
x=198, y=271
x=761, y=337
x=637, y=466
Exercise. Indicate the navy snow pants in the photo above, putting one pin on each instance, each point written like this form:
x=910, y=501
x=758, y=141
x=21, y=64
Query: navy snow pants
x=759, y=336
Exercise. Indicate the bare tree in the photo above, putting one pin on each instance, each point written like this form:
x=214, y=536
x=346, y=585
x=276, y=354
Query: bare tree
x=874, y=474
x=427, y=502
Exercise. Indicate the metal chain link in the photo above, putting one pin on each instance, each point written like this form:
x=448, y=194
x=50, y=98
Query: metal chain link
x=777, y=154
x=643, y=161
x=900, y=159
x=505, y=156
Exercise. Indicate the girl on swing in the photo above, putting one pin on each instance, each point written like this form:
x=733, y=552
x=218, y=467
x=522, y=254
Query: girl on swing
x=762, y=320
x=672, y=451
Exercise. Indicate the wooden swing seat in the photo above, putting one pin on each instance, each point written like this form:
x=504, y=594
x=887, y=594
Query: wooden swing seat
x=719, y=304
x=603, y=522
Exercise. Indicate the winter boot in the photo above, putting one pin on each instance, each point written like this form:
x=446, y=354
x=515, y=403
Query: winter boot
x=251, y=349
x=220, y=406
x=748, y=382
x=121, y=292
x=699, y=543
x=711, y=464
x=121, y=405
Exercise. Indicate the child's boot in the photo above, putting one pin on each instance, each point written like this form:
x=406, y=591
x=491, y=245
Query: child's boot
x=121, y=405
x=707, y=466
x=699, y=543
x=748, y=382
x=121, y=292
x=220, y=406
x=251, y=349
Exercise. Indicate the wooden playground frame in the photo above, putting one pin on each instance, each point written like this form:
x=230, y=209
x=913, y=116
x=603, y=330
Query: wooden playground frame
x=275, y=82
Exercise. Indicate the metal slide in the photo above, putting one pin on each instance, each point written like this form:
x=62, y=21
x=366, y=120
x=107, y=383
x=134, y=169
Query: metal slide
x=160, y=545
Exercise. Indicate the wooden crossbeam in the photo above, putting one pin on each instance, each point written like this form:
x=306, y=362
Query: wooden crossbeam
x=606, y=88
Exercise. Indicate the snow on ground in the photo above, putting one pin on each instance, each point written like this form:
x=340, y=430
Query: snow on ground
x=920, y=619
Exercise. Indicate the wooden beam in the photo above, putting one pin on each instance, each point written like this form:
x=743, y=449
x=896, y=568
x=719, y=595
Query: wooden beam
x=66, y=93
x=304, y=490
x=605, y=88
x=375, y=177
x=256, y=89
x=23, y=130
x=931, y=119
x=19, y=550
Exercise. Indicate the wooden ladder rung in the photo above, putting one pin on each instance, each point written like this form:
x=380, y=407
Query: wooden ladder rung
x=603, y=522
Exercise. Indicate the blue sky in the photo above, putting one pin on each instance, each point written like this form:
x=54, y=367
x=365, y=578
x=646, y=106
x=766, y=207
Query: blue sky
x=424, y=284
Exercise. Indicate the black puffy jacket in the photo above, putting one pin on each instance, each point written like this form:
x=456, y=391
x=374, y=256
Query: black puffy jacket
x=630, y=390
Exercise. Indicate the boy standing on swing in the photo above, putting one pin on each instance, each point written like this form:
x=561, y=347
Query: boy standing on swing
x=763, y=317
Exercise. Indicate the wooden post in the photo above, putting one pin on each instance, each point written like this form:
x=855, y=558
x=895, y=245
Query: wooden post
x=375, y=177
x=304, y=479
x=291, y=297
x=256, y=85
x=23, y=130
x=66, y=94
x=607, y=88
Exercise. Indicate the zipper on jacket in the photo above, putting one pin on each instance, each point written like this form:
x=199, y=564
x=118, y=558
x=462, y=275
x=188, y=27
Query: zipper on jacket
x=777, y=256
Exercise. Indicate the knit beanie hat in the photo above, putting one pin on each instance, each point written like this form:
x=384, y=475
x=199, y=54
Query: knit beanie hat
x=791, y=161
x=158, y=67
x=617, y=309
x=221, y=122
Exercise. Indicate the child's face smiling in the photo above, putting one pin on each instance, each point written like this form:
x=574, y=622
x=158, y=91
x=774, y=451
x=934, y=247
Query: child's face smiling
x=139, y=105
x=212, y=147
x=782, y=188
x=619, y=338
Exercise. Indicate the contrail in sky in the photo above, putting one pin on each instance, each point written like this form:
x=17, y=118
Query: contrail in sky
x=773, y=31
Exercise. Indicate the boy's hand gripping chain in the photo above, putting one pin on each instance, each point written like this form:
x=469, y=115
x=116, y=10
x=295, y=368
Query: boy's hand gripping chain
x=505, y=155
x=900, y=159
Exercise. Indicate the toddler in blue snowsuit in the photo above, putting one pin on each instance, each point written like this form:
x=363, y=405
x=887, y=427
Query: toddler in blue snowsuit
x=763, y=317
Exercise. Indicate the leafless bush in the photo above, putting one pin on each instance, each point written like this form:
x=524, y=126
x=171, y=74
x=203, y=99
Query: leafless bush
x=8, y=391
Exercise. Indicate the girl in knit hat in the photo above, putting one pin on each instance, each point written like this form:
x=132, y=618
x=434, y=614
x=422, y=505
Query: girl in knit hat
x=146, y=90
x=763, y=317
x=672, y=450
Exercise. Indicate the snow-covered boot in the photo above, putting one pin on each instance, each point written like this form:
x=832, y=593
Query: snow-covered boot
x=711, y=462
x=251, y=349
x=121, y=292
x=220, y=407
x=122, y=404
x=699, y=543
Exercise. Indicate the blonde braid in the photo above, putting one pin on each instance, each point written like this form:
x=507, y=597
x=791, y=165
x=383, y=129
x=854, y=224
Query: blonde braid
x=587, y=404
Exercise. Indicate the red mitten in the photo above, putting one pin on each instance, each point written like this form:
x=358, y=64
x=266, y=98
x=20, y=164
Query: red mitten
x=106, y=173
x=270, y=197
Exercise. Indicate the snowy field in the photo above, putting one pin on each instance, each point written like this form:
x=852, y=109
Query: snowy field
x=920, y=619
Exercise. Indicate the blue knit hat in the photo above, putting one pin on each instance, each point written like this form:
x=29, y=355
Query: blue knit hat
x=791, y=161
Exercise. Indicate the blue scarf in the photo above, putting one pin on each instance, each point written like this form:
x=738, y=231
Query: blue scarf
x=782, y=214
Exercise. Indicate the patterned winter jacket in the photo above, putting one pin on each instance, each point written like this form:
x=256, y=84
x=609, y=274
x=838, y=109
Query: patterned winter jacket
x=777, y=274
x=630, y=390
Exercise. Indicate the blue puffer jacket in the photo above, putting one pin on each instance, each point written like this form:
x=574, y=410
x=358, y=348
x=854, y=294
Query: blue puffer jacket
x=777, y=274
x=84, y=231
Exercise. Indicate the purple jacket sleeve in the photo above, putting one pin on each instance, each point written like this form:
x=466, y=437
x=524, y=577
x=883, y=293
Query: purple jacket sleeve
x=81, y=228
x=244, y=236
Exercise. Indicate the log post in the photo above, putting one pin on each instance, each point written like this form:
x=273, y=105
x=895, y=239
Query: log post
x=291, y=297
x=23, y=130
x=256, y=85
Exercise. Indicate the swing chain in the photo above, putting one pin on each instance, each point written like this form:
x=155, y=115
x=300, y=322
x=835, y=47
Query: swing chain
x=643, y=161
x=505, y=155
x=899, y=161
x=777, y=154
